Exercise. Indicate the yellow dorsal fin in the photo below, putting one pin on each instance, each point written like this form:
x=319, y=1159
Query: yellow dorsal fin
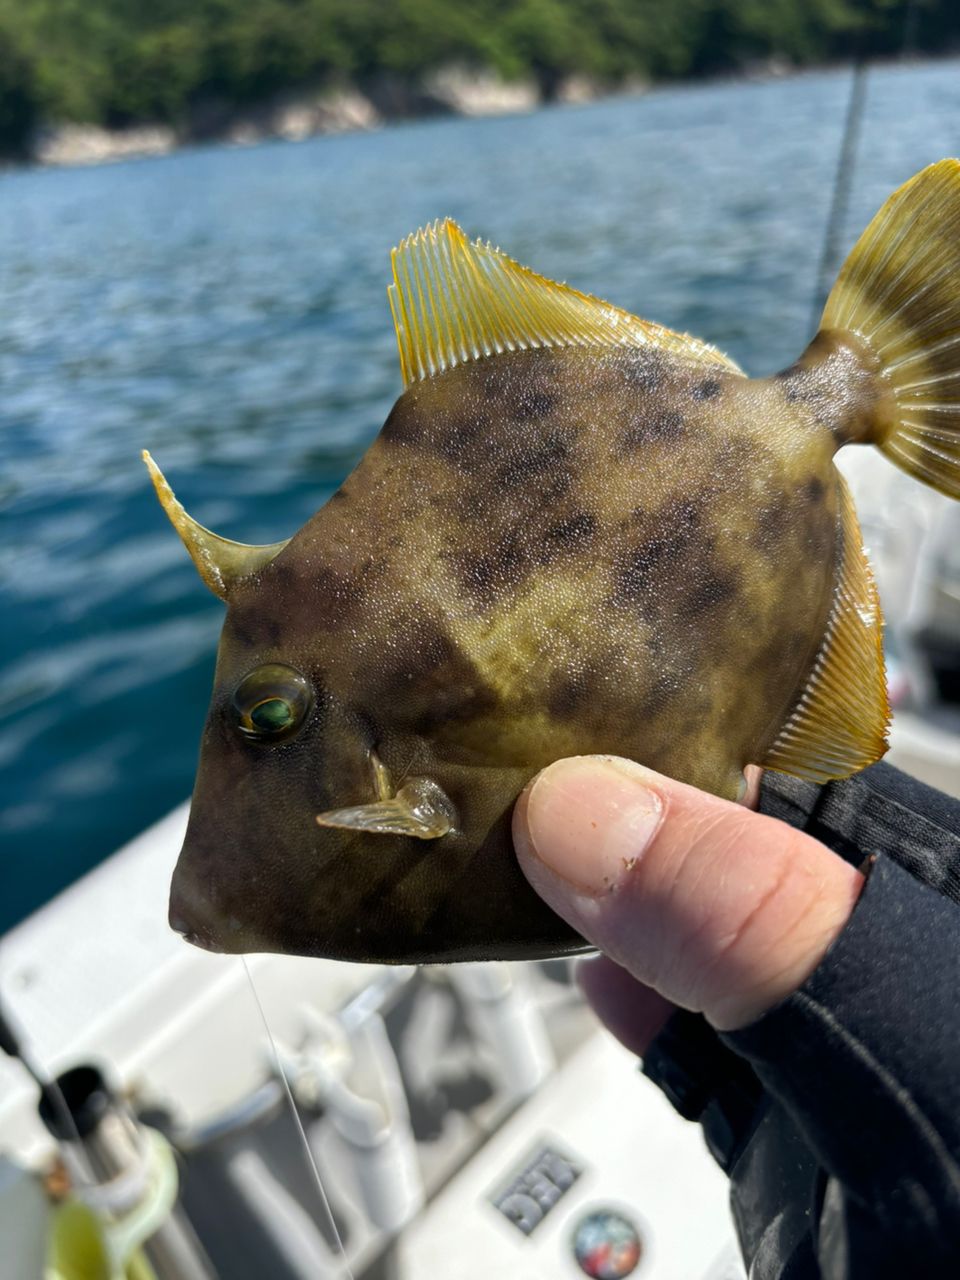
x=454, y=301
x=840, y=723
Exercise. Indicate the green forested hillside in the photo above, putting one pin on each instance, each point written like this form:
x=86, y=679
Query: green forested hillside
x=118, y=62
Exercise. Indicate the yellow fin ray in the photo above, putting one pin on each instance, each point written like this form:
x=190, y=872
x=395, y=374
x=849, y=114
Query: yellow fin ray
x=841, y=721
x=454, y=301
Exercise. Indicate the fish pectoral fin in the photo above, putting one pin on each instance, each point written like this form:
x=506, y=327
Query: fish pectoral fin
x=454, y=301
x=420, y=809
x=840, y=723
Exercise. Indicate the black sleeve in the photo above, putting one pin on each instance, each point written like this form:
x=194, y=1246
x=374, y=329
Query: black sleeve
x=865, y=1058
x=837, y=1115
x=880, y=810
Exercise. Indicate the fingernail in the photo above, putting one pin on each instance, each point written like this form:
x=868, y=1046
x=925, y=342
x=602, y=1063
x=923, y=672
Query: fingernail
x=589, y=820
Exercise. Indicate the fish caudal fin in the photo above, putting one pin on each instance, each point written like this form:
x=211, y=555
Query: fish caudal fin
x=899, y=292
x=840, y=723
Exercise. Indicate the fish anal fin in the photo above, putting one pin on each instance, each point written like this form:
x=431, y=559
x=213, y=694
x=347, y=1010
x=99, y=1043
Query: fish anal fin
x=840, y=723
x=454, y=301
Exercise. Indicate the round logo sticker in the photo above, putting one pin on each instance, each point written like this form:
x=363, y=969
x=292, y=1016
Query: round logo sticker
x=606, y=1245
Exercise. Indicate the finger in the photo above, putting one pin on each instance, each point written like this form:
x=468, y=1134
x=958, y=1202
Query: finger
x=633, y=1012
x=752, y=777
x=717, y=908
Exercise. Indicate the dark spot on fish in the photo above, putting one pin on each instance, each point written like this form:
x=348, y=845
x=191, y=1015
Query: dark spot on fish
x=803, y=384
x=712, y=587
x=479, y=576
x=649, y=428
x=735, y=457
x=687, y=515
x=340, y=597
x=813, y=490
x=432, y=681
x=566, y=694
x=521, y=467
x=471, y=504
x=532, y=403
x=515, y=375
x=693, y=725
x=707, y=389
x=426, y=648
x=249, y=629
x=554, y=487
x=656, y=698
x=461, y=695
x=487, y=577
x=637, y=571
x=462, y=439
x=656, y=571
x=302, y=599
x=773, y=521
x=576, y=531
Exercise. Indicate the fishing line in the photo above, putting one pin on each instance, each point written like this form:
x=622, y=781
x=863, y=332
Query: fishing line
x=311, y=1161
x=846, y=162
x=842, y=183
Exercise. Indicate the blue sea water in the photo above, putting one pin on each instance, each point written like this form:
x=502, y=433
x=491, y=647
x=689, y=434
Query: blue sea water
x=226, y=308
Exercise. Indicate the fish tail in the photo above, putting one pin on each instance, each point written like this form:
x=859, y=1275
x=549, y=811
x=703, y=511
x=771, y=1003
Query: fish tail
x=898, y=293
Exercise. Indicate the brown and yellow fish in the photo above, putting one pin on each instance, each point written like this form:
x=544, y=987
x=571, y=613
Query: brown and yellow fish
x=577, y=532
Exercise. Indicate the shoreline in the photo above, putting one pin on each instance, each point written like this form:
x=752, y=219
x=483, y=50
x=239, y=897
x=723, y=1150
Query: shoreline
x=451, y=91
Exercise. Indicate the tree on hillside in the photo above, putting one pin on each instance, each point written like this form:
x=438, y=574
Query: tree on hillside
x=127, y=61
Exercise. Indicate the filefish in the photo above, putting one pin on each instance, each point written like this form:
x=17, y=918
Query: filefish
x=577, y=532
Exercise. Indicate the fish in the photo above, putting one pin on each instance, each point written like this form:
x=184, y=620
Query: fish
x=576, y=532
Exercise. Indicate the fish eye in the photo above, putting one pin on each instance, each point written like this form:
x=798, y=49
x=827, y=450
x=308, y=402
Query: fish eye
x=271, y=703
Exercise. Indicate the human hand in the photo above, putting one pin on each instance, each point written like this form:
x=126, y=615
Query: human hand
x=694, y=901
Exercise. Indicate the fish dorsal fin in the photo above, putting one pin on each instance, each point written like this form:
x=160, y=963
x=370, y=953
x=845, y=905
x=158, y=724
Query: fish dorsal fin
x=840, y=723
x=454, y=301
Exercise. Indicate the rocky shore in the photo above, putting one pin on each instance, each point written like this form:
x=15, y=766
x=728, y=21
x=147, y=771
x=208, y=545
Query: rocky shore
x=450, y=90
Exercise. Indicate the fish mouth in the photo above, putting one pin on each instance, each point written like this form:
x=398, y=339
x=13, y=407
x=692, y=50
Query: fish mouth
x=190, y=929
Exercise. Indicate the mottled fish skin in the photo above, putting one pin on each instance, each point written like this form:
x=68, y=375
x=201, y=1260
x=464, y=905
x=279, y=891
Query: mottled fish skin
x=577, y=532
x=544, y=553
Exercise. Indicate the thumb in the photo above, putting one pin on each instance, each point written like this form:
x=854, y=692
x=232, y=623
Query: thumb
x=719, y=909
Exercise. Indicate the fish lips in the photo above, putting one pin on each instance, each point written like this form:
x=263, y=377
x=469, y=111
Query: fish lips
x=187, y=917
x=183, y=922
x=208, y=906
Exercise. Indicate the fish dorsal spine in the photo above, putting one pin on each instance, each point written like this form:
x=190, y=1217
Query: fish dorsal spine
x=220, y=562
x=455, y=301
